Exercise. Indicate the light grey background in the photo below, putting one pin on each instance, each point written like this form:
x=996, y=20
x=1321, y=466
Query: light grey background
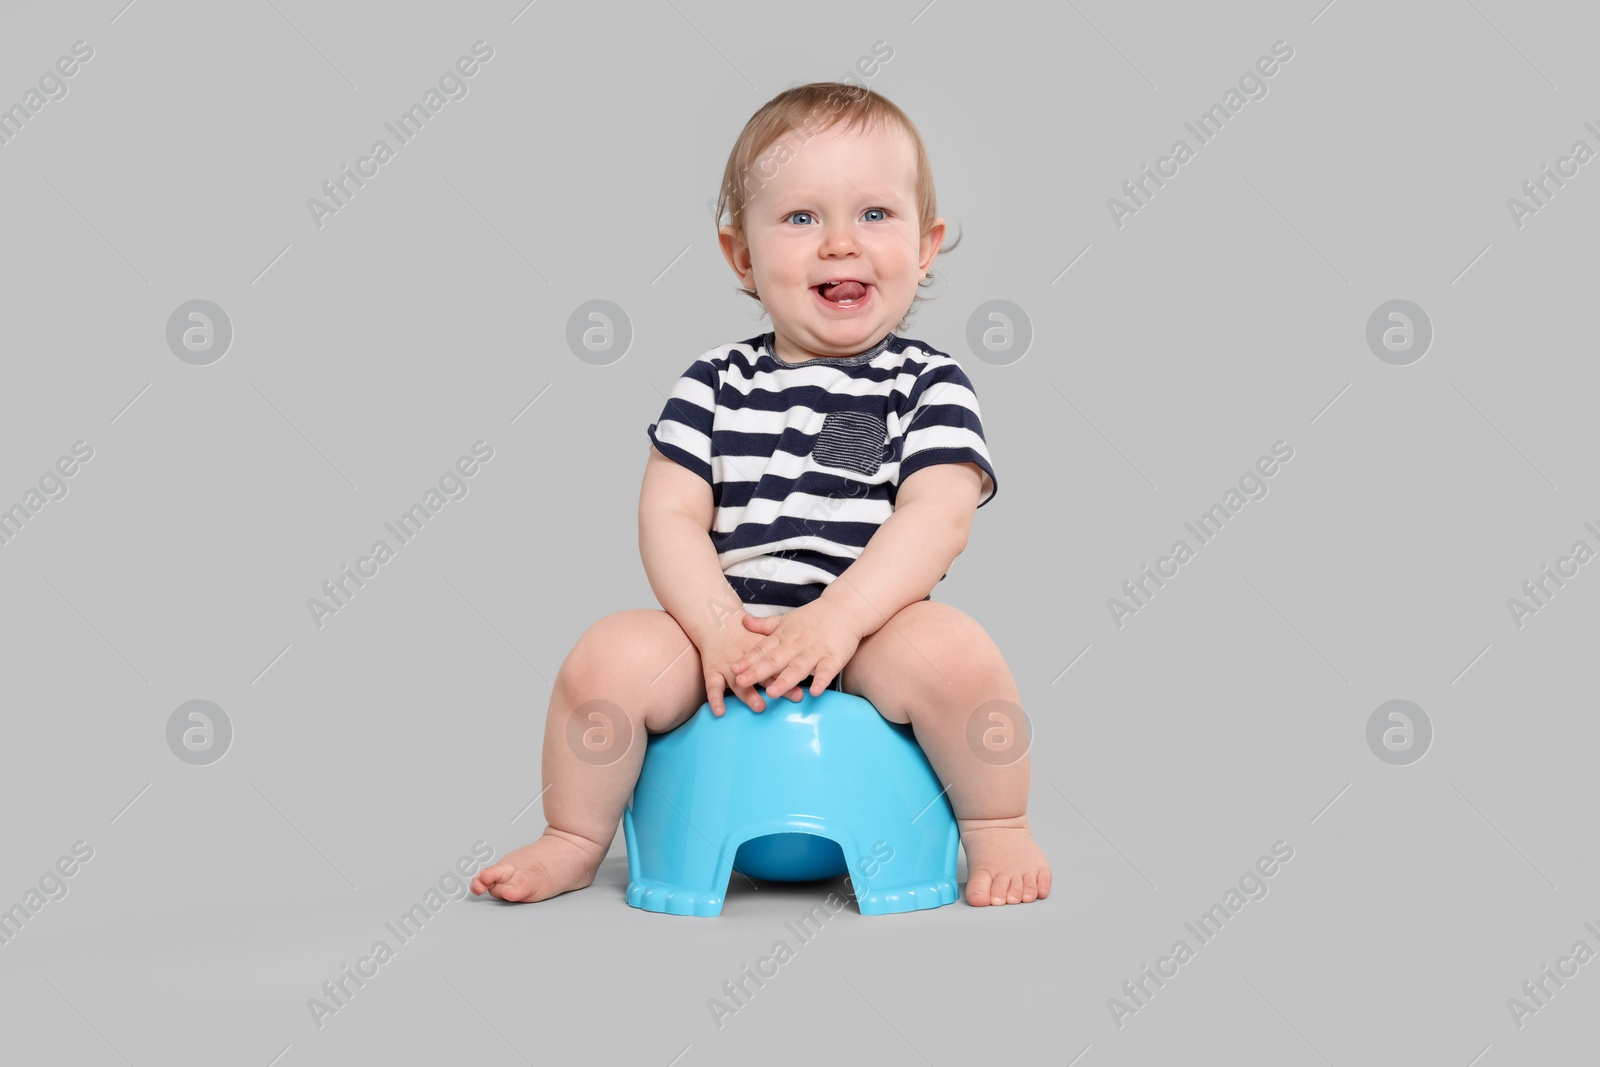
x=370, y=353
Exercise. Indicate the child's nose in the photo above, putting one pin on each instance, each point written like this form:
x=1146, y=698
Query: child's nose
x=839, y=238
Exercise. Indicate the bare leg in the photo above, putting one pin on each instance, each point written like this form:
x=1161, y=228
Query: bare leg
x=630, y=673
x=937, y=669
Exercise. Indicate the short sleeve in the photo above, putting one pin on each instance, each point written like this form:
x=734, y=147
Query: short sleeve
x=945, y=425
x=683, y=432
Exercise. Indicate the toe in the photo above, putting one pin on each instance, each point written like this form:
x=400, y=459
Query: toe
x=978, y=883
x=489, y=876
x=1014, y=890
x=1044, y=882
x=523, y=884
x=997, y=889
x=1030, y=887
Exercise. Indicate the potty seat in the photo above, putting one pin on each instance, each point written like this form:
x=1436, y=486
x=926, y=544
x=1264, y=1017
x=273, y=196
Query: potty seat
x=798, y=792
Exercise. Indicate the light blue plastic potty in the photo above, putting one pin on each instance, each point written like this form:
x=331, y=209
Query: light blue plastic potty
x=798, y=792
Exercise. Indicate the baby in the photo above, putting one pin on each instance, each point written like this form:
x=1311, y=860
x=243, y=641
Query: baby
x=803, y=493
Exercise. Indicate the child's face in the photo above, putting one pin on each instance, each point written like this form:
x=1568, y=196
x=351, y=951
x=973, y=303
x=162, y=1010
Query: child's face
x=842, y=205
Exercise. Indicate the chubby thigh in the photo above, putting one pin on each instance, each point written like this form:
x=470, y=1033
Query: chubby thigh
x=927, y=655
x=642, y=661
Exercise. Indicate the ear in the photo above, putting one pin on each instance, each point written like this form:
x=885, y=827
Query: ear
x=930, y=244
x=736, y=250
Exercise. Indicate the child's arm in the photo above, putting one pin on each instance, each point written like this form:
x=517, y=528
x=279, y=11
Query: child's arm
x=908, y=554
x=675, y=513
x=903, y=561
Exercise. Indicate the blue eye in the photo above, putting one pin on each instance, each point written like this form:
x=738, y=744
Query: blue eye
x=884, y=212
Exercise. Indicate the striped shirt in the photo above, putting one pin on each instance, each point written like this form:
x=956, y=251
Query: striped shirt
x=804, y=459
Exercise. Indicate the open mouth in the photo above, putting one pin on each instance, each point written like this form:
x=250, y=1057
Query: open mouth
x=843, y=293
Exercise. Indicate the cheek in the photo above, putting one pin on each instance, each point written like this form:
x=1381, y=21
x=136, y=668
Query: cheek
x=905, y=251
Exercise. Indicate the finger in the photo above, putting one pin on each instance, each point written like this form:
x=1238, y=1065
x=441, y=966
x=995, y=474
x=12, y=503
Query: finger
x=761, y=624
x=783, y=666
x=714, y=694
x=822, y=676
x=752, y=697
x=794, y=692
x=755, y=654
x=786, y=679
x=757, y=664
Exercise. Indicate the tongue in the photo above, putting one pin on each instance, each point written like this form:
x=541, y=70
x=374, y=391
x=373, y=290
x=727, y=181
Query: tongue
x=844, y=291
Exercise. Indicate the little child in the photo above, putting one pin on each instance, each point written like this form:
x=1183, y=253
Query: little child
x=804, y=492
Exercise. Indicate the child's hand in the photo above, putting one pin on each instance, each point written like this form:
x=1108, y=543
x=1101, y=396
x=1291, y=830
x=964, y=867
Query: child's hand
x=717, y=656
x=816, y=639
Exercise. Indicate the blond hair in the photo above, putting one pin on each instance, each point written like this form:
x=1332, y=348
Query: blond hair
x=808, y=110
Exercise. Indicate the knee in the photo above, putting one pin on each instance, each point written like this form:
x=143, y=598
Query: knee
x=595, y=657
x=955, y=648
x=944, y=632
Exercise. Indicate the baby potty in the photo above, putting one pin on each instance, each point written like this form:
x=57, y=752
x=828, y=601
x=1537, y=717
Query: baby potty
x=798, y=792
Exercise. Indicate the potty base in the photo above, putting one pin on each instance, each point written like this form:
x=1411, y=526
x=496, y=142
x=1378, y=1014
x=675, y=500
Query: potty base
x=799, y=792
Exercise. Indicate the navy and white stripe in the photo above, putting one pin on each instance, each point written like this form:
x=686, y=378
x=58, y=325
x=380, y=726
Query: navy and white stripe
x=805, y=459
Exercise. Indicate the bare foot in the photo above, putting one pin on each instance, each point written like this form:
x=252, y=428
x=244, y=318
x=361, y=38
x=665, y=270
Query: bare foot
x=1004, y=866
x=556, y=863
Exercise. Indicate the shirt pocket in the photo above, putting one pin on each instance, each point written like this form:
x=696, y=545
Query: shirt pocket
x=852, y=441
